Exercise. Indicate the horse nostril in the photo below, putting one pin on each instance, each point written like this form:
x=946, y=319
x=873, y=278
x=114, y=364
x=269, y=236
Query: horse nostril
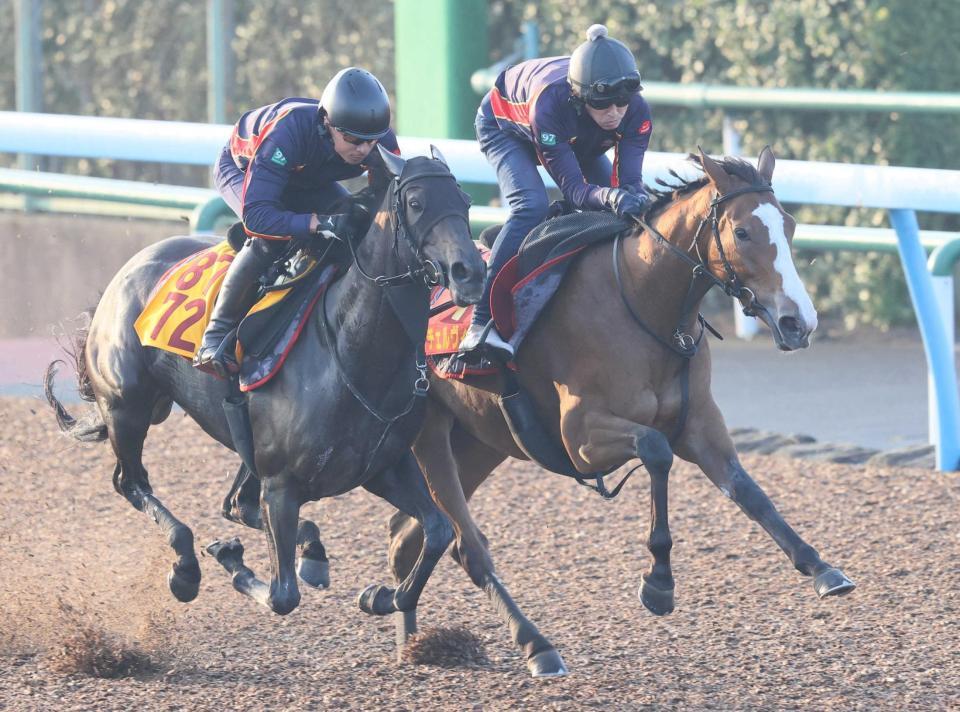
x=790, y=326
x=459, y=272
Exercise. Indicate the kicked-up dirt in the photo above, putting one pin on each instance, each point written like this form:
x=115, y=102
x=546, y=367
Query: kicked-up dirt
x=83, y=592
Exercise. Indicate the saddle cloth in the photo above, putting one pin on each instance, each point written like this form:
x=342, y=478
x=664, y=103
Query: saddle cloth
x=178, y=310
x=520, y=291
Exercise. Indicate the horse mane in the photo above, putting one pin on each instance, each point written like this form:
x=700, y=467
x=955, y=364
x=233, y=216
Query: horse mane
x=666, y=193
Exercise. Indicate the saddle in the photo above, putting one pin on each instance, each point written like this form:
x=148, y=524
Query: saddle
x=521, y=290
x=179, y=307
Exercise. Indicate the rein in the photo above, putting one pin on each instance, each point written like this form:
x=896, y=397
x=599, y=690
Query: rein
x=402, y=291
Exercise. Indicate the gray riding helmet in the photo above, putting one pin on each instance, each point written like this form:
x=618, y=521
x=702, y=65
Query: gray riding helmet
x=602, y=66
x=356, y=103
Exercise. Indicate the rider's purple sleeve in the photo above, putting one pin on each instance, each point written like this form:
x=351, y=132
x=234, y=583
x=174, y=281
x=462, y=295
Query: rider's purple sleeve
x=554, y=123
x=267, y=175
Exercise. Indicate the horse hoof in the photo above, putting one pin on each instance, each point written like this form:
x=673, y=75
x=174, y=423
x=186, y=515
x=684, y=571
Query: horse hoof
x=377, y=600
x=314, y=572
x=184, y=584
x=658, y=601
x=547, y=663
x=226, y=552
x=832, y=582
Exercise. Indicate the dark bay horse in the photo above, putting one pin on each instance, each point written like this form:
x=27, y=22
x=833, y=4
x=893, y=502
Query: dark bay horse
x=357, y=362
x=604, y=366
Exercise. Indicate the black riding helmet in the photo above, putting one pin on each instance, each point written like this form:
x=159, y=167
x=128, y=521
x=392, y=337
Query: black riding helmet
x=356, y=103
x=602, y=70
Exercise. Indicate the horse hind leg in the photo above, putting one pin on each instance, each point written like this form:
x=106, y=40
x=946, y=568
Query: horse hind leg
x=434, y=450
x=242, y=506
x=128, y=429
x=475, y=461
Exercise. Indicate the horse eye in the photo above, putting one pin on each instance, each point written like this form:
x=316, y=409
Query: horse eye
x=741, y=234
x=415, y=204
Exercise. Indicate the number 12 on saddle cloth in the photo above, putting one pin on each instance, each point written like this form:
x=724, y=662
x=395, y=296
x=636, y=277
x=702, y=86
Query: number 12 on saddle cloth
x=179, y=307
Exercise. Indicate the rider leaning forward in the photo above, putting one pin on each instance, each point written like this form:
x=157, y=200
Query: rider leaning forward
x=279, y=173
x=564, y=113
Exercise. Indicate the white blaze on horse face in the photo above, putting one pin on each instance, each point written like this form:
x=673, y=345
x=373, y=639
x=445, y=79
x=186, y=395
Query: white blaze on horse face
x=793, y=288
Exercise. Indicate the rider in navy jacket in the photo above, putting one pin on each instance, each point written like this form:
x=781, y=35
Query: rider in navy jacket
x=563, y=113
x=279, y=173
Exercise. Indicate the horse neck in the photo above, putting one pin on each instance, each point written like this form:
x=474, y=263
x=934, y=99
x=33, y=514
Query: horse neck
x=656, y=280
x=361, y=316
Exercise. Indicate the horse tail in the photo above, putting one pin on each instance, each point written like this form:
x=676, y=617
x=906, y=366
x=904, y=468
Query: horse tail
x=91, y=429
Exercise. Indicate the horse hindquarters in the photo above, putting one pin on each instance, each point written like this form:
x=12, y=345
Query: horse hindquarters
x=130, y=394
x=128, y=405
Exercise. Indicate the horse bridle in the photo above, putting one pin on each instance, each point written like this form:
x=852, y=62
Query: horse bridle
x=684, y=343
x=427, y=271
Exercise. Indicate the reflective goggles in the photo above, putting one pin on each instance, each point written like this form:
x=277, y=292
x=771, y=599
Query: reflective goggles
x=604, y=94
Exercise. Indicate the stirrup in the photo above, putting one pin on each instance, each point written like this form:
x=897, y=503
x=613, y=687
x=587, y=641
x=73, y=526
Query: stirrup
x=490, y=341
x=219, y=361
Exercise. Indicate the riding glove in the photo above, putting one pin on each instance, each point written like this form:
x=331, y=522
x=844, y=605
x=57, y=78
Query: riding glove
x=334, y=227
x=623, y=202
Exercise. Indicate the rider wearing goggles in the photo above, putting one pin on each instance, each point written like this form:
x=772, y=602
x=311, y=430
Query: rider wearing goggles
x=603, y=94
x=279, y=172
x=564, y=113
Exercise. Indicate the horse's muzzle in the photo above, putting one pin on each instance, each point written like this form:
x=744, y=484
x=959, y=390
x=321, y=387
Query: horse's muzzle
x=791, y=333
x=465, y=281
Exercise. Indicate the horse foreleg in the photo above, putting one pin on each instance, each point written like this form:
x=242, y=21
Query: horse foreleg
x=405, y=489
x=242, y=505
x=434, y=453
x=707, y=443
x=281, y=508
x=607, y=440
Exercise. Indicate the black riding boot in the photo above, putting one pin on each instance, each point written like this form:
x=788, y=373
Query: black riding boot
x=237, y=295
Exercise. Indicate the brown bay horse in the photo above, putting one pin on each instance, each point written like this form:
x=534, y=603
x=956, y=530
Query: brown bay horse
x=605, y=368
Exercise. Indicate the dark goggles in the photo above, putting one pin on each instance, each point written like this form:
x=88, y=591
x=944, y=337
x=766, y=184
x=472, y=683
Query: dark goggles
x=356, y=140
x=604, y=94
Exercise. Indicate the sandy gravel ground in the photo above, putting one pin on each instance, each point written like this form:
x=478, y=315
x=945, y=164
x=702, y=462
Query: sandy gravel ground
x=748, y=631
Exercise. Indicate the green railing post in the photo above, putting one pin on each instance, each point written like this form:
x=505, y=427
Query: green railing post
x=28, y=68
x=219, y=59
x=439, y=43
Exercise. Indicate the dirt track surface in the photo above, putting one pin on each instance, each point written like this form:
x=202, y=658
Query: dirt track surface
x=748, y=631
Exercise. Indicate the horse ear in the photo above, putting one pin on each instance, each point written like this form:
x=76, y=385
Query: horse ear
x=435, y=152
x=765, y=164
x=392, y=161
x=715, y=172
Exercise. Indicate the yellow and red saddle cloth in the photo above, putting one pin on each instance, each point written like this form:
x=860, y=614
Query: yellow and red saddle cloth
x=178, y=310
